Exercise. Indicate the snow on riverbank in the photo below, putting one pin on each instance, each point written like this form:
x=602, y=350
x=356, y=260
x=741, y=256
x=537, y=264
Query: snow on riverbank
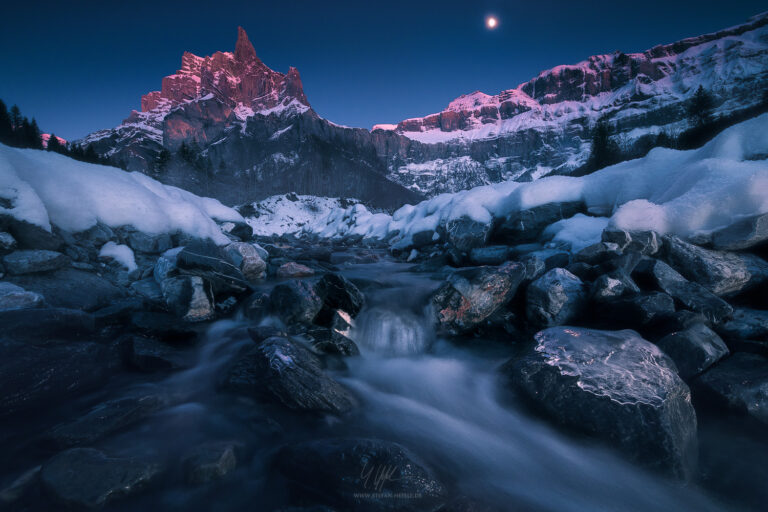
x=668, y=191
x=46, y=188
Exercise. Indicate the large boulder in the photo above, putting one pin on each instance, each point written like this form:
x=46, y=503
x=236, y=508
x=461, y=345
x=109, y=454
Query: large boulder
x=616, y=386
x=743, y=234
x=338, y=293
x=34, y=377
x=71, y=288
x=739, y=383
x=555, y=298
x=16, y=297
x=694, y=349
x=206, y=260
x=295, y=302
x=465, y=233
x=691, y=295
x=636, y=311
x=104, y=419
x=247, y=258
x=722, y=273
x=29, y=261
x=360, y=475
x=282, y=371
x=87, y=478
x=527, y=225
x=189, y=297
x=471, y=295
x=747, y=324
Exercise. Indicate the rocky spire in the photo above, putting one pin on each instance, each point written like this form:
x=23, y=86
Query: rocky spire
x=244, y=51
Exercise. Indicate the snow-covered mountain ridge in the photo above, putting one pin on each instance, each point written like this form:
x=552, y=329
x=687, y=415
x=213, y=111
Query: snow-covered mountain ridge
x=250, y=132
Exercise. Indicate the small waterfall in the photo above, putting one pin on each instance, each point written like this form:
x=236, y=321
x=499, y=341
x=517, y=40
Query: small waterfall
x=392, y=333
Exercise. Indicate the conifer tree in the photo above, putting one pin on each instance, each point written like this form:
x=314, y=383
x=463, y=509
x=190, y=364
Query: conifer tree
x=6, y=127
x=53, y=144
x=605, y=151
x=700, y=107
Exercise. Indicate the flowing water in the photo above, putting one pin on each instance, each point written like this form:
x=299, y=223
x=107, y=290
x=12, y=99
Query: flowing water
x=442, y=400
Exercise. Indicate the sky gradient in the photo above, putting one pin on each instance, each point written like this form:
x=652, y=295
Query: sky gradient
x=81, y=68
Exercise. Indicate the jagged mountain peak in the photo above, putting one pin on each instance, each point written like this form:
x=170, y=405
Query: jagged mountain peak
x=244, y=51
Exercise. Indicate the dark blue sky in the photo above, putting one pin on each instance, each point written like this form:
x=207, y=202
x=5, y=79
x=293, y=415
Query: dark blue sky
x=82, y=67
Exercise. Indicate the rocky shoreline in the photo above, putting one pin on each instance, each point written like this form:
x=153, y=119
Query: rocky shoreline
x=624, y=342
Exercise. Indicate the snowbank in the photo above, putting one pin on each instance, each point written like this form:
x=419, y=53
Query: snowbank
x=668, y=191
x=120, y=253
x=47, y=188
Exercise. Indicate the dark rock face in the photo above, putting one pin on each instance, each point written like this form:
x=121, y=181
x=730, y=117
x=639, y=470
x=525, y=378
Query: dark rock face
x=333, y=341
x=613, y=385
x=555, y=298
x=693, y=350
x=105, y=419
x=163, y=326
x=338, y=293
x=71, y=288
x=85, y=477
x=206, y=260
x=189, y=297
x=33, y=377
x=466, y=234
x=282, y=371
x=722, y=273
x=471, y=295
x=690, y=295
x=296, y=302
x=209, y=462
x=743, y=234
x=343, y=473
x=740, y=383
x=527, y=225
x=750, y=324
x=638, y=310
x=26, y=262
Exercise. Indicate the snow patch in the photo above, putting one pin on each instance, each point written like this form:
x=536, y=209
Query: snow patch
x=120, y=253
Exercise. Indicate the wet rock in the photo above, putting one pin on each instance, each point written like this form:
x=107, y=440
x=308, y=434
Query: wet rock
x=722, y=273
x=282, y=371
x=465, y=233
x=240, y=230
x=149, y=355
x=295, y=302
x=613, y=385
x=209, y=462
x=527, y=225
x=555, y=298
x=165, y=266
x=29, y=261
x=332, y=341
x=105, y=419
x=739, y=383
x=150, y=244
x=646, y=243
x=256, y=307
x=744, y=234
x=42, y=325
x=292, y=269
x=616, y=236
x=693, y=296
x=32, y=377
x=189, y=297
x=693, y=350
x=16, y=297
x=638, y=310
x=342, y=322
x=262, y=332
x=245, y=257
x=163, y=326
x=337, y=292
x=491, y=255
x=7, y=243
x=746, y=324
x=71, y=288
x=85, y=477
x=117, y=313
x=598, y=253
x=206, y=260
x=149, y=290
x=423, y=238
x=607, y=287
x=360, y=474
x=471, y=295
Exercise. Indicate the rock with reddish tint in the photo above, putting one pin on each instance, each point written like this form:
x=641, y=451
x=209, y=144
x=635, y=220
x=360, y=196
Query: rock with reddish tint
x=471, y=295
x=293, y=269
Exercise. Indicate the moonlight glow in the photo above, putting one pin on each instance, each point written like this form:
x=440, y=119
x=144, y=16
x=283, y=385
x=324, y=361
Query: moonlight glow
x=491, y=22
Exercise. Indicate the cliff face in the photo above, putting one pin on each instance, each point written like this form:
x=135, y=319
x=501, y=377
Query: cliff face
x=250, y=131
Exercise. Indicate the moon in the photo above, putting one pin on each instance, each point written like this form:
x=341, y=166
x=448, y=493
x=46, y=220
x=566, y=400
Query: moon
x=491, y=22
